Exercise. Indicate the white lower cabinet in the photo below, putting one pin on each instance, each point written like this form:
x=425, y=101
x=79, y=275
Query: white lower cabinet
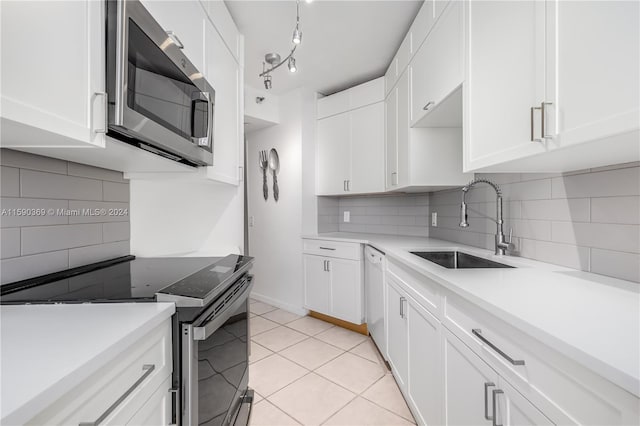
x=457, y=364
x=478, y=395
x=333, y=283
x=425, y=372
x=134, y=388
x=397, y=338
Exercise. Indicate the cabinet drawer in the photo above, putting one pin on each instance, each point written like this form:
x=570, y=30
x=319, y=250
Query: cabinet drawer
x=563, y=390
x=422, y=289
x=136, y=374
x=337, y=249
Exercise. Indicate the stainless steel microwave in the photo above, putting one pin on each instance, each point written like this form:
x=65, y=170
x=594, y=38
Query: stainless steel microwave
x=157, y=99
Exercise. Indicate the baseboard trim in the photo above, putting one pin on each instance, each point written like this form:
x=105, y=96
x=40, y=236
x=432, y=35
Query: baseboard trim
x=358, y=328
x=279, y=304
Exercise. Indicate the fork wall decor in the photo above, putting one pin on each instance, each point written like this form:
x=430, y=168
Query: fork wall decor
x=263, y=162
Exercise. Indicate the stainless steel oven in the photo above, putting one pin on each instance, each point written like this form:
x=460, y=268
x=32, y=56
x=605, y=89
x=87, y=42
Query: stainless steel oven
x=157, y=99
x=215, y=361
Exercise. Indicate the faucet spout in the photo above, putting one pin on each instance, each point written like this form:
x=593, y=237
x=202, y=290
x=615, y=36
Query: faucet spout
x=502, y=246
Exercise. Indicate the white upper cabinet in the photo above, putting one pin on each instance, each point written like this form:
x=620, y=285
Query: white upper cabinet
x=555, y=75
x=222, y=20
x=437, y=68
x=185, y=19
x=53, y=74
x=350, y=138
x=397, y=122
x=367, y=145
x=222, y=71
x=334, y=154
x=593, y=70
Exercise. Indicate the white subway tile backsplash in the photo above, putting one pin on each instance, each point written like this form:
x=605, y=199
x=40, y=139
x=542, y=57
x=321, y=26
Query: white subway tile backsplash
x=617, y=182
x=40, y=239
x=115, y=231
x=616, y=237
x=573, y=210
x=106, y=211
x=43, y=231
x=617, y=264
x=23, y=267
x=9, y=243
x=558, y=254
x=29, y=206
x=615, y=210
x=83, y=170
x=24, y=160
x=112, y=191
x=10, y=181
x=34, y=184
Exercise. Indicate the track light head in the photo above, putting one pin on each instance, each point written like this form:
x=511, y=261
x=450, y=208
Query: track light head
x=267, y=82
x=297, y=36
x=292, y=64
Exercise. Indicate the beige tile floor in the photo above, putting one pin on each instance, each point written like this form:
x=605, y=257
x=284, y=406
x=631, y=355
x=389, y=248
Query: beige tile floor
x=308, y=372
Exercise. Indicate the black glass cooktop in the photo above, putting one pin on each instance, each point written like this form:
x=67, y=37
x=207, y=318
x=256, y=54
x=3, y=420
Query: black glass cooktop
x=128, y=279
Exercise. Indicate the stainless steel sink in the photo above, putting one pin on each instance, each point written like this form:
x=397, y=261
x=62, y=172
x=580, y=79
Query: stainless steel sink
x=458, y=260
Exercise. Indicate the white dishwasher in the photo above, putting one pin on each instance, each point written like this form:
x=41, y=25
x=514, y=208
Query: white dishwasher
x=374, y=293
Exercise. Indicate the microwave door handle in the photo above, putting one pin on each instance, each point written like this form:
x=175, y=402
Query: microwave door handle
x=202, y=97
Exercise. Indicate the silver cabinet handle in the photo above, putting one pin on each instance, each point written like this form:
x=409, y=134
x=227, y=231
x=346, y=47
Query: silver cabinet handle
x=533, y=138
x=348, y=185
x=105, y=103
x=344, y=185
x=174, y=414
x=402, y=301
x=428, y=105
x=148, y=369
x=394, y=178
x=487, y=385
x=324, y=265
x=327, y=248
x=543, y=109
x=328, y=266
x=495, y=394
x=174, y=38
x=478, y=332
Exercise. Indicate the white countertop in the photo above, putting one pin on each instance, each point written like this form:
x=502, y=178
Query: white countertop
x=49, y=349
x=590, y=318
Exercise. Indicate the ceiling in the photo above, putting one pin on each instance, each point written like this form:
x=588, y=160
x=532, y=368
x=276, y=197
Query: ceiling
x=344, y=43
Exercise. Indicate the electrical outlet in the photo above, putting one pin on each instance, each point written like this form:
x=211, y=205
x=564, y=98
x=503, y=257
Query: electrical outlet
x=347, y=217
x=434, y=219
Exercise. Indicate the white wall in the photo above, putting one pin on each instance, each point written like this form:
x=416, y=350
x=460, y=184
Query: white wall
x=275, y=237
x=186, y=218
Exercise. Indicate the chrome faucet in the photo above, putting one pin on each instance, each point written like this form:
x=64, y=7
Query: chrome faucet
x=502, y=246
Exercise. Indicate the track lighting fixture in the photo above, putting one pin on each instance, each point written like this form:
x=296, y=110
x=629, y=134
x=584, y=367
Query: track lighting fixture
x=274, y=60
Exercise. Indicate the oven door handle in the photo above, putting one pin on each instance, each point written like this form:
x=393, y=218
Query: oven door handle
x=206, y=330
x=202, y=97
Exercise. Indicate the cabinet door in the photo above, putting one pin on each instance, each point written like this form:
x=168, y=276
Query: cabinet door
x=391, y=139
x=346, y=289
x=467, y=399
x=334, y=154
x=316, y=284
x=437, y=66
x=515, y=410
x=505, y=79
x=426, y=384
x=593, y=74
x=185, y=18
x=367, y=141
x=53, y=78
x=223, y=73
x=404, y=108
x=396, y=313
x=156, y=411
